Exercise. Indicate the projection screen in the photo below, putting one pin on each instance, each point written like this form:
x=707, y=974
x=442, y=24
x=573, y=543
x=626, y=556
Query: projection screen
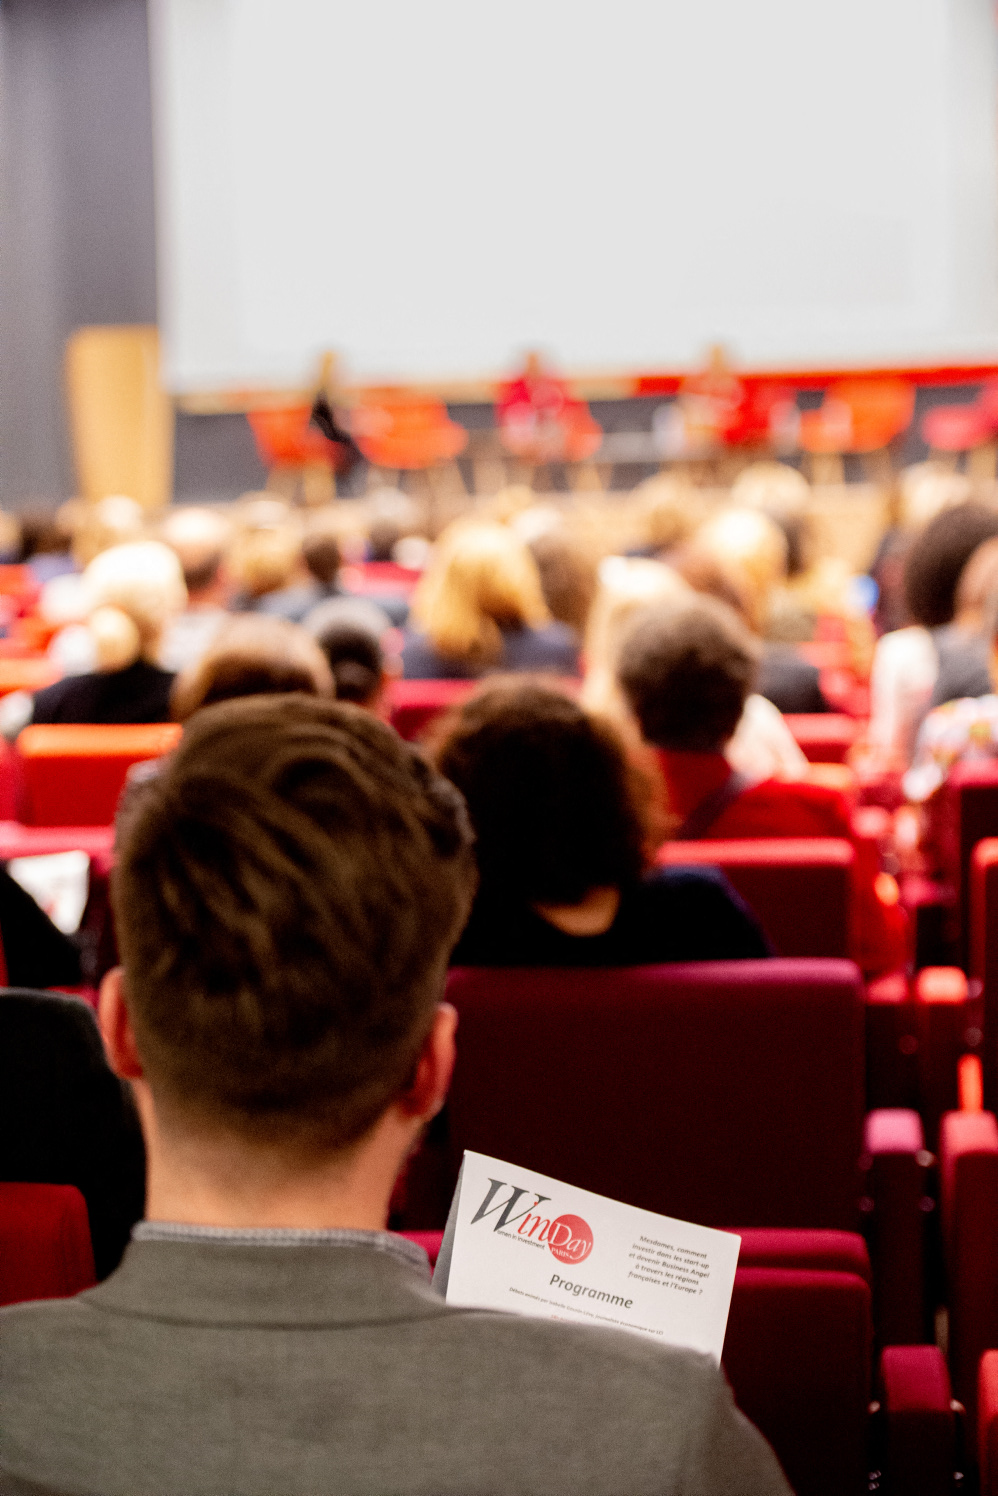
x=431, y=188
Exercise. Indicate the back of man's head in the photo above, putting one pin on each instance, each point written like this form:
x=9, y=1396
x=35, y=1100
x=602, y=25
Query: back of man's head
x=686, y=671
x=287, y=893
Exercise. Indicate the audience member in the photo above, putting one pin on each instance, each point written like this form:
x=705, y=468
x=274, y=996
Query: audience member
x=200, y=538
x=116, y=520
x=252, y=656
x=320, y=553
x=686, y=672
x=762, y=745
x=349, y=631
x=480, y=607
x=752, y=550
x=46, y=536
x=133, y=591
x=286, y=894
x=560, y=846
x=265, y=555
x=959, y=730
x=568, y=576
x=963, y=650
x=906, y=662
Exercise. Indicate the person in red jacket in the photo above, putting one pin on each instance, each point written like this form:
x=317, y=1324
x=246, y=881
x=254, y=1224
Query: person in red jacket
x=685, y=671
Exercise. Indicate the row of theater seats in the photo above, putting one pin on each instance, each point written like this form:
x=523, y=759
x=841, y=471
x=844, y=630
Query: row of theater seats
x=797, y=1350
x=781, y=1097
x=800, y=1344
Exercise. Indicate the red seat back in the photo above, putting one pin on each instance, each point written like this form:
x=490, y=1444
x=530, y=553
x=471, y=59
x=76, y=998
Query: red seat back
x=414, y=703
x=716, y=1092
x=965, y=812
x=984, y=954
x=797, y=1354
x=73, y=774
x=800, y=888
x=823, y=737
x=968, y=1156
x=45, y=1250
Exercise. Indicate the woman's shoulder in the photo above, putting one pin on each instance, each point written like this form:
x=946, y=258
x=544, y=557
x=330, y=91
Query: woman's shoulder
x=420, y=660
x=554, y=646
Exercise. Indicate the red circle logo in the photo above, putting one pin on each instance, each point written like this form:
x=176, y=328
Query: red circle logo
x=570, y=1239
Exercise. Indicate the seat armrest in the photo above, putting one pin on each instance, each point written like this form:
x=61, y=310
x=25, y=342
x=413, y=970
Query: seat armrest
x=968, y=1168
x=922, y=1423
x=896, y=1203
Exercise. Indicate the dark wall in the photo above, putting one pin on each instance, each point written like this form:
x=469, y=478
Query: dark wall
x=76, y=211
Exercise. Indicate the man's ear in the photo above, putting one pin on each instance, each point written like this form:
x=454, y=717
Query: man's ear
x=429, y=1088
x=116, y=1027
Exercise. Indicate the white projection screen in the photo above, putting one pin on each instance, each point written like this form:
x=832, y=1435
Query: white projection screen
x=430, y=187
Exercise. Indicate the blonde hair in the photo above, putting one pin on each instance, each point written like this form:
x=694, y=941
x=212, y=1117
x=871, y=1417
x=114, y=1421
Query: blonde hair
x=113, y=521
x=669, y=510
x=627, y=584
x=753, y=549
x=481, y=579
x=253, y=655
x=927, y=488
x=132, y=592
x=773, y=486
x=267, y=546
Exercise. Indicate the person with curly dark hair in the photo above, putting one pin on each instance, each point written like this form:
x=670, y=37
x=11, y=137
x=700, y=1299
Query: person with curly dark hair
x=560, y=846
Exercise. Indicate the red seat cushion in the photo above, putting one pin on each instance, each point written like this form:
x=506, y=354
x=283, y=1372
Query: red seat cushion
x=45, y=1250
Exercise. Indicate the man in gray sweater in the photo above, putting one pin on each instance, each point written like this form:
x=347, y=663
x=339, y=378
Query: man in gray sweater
x=288, y=889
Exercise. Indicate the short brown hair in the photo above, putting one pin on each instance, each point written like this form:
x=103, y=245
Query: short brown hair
x=287, y=892
x=686, y=672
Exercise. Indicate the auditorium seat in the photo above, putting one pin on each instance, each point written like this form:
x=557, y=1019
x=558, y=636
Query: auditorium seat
x=965, y=812
x=413, y=704
x=32, y=674
x=73, y=774
x=714, y=1092
x=800, y=888
x=968, y=1165
x=823, y=737
x=45, y=1250
x=987, y=1423
x=798, y=1354
x=65, y=1118
x=983, y=956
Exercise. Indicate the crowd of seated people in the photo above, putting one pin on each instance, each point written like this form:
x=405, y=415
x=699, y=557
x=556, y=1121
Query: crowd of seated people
x=147, y=621
x=627, y=681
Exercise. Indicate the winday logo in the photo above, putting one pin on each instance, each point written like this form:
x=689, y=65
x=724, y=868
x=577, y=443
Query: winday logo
x=568, y=1237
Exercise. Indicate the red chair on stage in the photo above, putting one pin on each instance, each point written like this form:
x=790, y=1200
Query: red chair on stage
x=860, y=416
x=972, y=428
x=399, y=431
x=45, y=1250
x=73, y=774
x=294, y=450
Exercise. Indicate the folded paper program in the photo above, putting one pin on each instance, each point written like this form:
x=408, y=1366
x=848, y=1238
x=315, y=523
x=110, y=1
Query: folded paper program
x=644, y=1272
